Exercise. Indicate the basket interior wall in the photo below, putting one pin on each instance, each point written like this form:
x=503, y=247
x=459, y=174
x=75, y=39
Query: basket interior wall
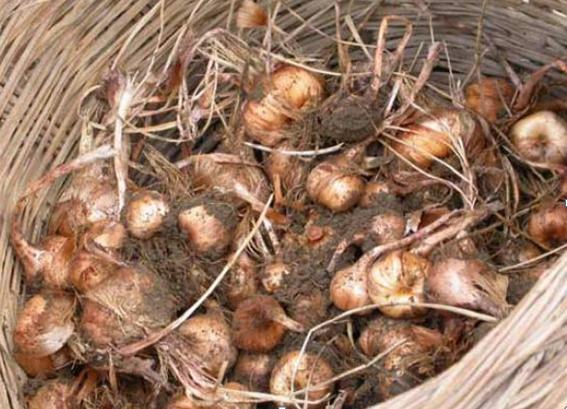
x=52, y=53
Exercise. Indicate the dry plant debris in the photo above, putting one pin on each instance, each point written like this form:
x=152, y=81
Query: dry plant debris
x=249, y=228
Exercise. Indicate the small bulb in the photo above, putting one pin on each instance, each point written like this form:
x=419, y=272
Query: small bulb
x=547, y=225
x=209, y=228
x=114, y=310
x=383, y=333
x=372, y=192
x=295, y=371
x=226, y=397
x=45, y=324
x=297, y=86
x=237, y=179
x=254, y=370
x=318, y=236
x=54, y=394
x=349, y=288
x=91, y=198
x=265, y=121
x=541, y=137
x=435, y=137
x=468, y=284
x=309, y=309
x=413, y=358
x=334, y=186
x=146, y=213
x=399, y=277
x=107, y=235
x=210, y=339
x=274, y=276
x=259, y=324
x=489, y=97
x=286, y=172
x=285, y=95
x=242, y=280
x=423, y=142
x=387, y=227
x=88, y=270
x=251, y=15
x=46, y=264
x=41, y=366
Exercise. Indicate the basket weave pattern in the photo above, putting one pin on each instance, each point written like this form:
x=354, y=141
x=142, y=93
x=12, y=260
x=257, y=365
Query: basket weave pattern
x=52, y=53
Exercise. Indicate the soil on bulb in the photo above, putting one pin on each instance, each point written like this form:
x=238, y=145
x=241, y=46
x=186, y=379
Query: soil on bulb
x=169, y=255
x=308, y=261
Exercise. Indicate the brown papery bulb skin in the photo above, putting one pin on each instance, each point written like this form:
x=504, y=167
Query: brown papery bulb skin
x=107, y=235
x=251, y=15
x=230, y=174
x=413, y=358
x=254, y=370
x=265, y=121
x=113, y=310
x=518, y=251
x=45, y=324
x=298, y=87
x=489, y=97
x=434, y=137
x=54, y=394
x=399, y=276
x=210, y=338
x=372, y=192
x=349, y=288
x=101, y=326
x=430, y=215
x=274, y=275
x=334, y=187
x=58, y=251
x=222, y=399
x=146, y=213
x=90, y=198
x=422, y=142
x=209, y=228
x=548, y=225
x=46, y=264
x=468, y=284
x=284, y=94
x=88, y=270
x=259, y=324
x=242, y=281
x=68, y=218
x=309, y=370
x=387, y=227
x=309, y=309
x=36, y=366
x=382, y=333
x=287, y=170
x=541, y=137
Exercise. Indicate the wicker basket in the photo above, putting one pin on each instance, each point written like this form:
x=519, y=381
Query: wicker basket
x=52, y=52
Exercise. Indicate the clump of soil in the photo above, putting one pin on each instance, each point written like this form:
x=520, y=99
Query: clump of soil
x=347, y=118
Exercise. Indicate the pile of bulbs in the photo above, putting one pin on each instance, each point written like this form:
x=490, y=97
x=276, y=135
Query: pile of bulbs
x=406, y=277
